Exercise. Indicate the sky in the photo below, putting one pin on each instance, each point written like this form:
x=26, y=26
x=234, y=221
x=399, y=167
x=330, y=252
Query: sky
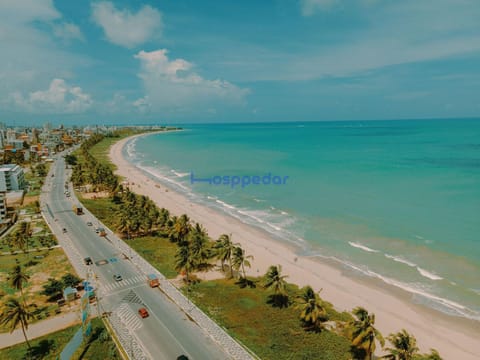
x=189, y=61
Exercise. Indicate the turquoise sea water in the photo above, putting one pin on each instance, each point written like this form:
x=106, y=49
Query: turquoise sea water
x=394, y=200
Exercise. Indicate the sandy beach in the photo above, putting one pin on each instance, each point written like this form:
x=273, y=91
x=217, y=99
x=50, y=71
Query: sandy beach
x=453, y=337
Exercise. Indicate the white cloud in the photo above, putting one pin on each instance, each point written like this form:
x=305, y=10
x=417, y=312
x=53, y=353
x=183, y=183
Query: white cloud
x=30, y=55
x=172, y=84
x=125, y=28
x=310, y=7
x=67, y=31
x=22, y=11
x=385, y=33
x=59, y=98
x=142, y=104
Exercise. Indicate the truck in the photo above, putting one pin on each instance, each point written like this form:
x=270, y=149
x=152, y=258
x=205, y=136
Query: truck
x=153, y=280
x=77, y=210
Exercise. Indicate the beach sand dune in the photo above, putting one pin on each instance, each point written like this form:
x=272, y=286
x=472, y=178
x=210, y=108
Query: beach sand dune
x=454, y=338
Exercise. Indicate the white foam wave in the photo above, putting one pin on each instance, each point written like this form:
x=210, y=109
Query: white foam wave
x=160, y=176
x=180, y=174
x=428, y=274
x=231, y=207
x=477, y=291
x=250, y=215
x=130, y=149
x=447, y=306
x=283, y=212
x=258, y=200
x=400, y=260
x=418, y=236
x=362, y=247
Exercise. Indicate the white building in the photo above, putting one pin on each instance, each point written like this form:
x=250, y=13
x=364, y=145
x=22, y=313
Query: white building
x=11, y=178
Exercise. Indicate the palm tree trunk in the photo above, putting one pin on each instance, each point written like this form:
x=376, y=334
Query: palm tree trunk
x=23, y=296
x=243, y=269
x=25, y=335
x=231, y=269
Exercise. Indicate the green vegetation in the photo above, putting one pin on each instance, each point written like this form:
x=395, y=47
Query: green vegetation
x=271, y=332
x=89, y=171
x=275, y=319
x=158, y=251
x=99, y=346
x=16, y=313
x=35, y=177
x=23, y=276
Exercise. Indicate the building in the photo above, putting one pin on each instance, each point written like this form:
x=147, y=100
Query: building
x=3, y=207
x=11, y=178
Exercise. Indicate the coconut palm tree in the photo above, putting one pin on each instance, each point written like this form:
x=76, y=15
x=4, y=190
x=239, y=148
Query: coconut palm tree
x=183, y=259
x=163, y=218
x=16, y=313
x=364, y=334
x=240, y=260
x=124, y=222
x=199, y=247
x=433, y=355
x=312, y=310
x=274, y=280
x=404, y=346
x=18, y=278
x=224, y=250
x=19, y=241
x=180, y=229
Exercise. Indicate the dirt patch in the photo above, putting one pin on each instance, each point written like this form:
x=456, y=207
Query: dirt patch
x=37, y=280
x=96, y=195
x=29, y=199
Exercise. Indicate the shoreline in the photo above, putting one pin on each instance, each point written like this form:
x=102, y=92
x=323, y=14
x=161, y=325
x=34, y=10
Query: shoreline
x=453, y=337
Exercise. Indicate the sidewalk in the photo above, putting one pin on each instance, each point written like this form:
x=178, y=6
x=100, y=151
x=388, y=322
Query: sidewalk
x=39, y=329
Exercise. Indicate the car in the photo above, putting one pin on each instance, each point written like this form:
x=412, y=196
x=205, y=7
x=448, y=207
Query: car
x=117, y=277
x=88, y=261
x=97, y=230
x=89, y=223
x=143, y=312
x=64, y=230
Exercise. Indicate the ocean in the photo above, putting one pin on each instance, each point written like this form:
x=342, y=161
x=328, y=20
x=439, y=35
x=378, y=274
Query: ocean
x=398, y=201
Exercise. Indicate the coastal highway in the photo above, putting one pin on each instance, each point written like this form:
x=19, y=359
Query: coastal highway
x=167, y=333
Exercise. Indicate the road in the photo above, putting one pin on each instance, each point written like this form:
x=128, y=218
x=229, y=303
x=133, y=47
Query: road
x=168, y=332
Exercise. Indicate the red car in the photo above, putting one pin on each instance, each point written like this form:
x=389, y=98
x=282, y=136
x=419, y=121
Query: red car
x=143, y=312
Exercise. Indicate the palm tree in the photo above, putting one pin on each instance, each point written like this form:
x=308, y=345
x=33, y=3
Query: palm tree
x=364, y=333
x=183, y=259
x=404, y=346
x=180, y=229
x=312, y=310
x=434, y=355
x=124, y=222
x=240, y=260
x=163, y=218
x=199, y=247
x=16, y=313
x=274, y=280
x=18, y=278
x=18, y=240
x=224, y=250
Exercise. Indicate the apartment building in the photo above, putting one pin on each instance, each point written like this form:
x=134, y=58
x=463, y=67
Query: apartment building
x=11, y=178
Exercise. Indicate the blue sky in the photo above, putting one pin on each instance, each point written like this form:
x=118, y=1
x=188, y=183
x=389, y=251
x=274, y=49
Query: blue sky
x=186, y=61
